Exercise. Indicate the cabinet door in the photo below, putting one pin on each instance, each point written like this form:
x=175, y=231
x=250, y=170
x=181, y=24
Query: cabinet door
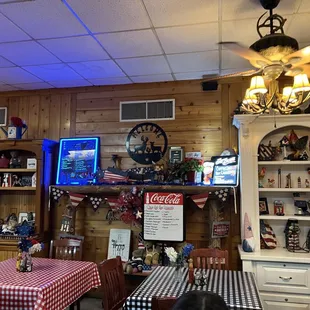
x=285, y=302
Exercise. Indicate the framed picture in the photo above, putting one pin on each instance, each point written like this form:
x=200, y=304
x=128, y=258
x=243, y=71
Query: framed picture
x=22, y=216
x=263, y=206
x=176, y=154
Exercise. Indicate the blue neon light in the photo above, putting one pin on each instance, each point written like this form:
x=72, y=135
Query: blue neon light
x=77, y=160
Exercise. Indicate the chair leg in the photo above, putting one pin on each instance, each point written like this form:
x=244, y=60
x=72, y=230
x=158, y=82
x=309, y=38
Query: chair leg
x=71, y=307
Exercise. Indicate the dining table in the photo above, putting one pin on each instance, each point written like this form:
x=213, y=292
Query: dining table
x=237, y=288
x=52, y=284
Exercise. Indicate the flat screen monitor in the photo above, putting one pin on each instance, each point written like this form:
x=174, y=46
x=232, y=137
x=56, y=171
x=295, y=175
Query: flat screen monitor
x=77, y=160
x=226, y=170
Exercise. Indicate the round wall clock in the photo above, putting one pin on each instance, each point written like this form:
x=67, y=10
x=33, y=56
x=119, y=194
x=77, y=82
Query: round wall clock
x=146, y=143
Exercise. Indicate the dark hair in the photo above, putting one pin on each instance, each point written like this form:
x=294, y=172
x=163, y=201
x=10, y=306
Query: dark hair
x=200, y=300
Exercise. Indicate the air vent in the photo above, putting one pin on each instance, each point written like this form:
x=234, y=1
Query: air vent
x=163, y=109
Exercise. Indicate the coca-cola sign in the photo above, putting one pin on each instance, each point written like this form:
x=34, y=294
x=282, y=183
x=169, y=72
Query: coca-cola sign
x=164, y=198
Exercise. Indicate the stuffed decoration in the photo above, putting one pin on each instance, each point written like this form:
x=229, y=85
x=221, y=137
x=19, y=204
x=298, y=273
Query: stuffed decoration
x=248, y=239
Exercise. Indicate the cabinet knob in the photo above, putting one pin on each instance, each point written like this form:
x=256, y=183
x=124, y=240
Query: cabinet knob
x=285, y=278
x=286, y=299
x=284, y=265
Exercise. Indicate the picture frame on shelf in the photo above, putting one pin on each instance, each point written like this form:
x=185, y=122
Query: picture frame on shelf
x=263, y=206
x=176, y=154
x=22, y=216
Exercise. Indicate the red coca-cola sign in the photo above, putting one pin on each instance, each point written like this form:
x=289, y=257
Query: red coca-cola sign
x=165, y=198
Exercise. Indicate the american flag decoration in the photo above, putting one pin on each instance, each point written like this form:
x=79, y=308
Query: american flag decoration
x=113, y=175
x=76, y=198
x=266, y=152
x=222, y=194
x=56, y=193
x=95, y=201
x=113, y=202
x=200, y=200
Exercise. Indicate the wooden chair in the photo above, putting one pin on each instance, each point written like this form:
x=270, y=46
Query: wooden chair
x=163, y=303
x=67, y=249
x=113, y=283
x=210, y=259
x=69, y=236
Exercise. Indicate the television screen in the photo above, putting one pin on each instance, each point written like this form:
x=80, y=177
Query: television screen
x=77, y=160
x=226, y=170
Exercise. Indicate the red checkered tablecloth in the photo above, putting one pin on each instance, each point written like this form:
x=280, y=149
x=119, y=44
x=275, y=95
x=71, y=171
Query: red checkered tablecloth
x=52, y=285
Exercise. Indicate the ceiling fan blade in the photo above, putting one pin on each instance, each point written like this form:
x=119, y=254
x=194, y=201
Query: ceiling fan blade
x=255, y=58
x=221, y=77
x=302, y=69
x=298, y=58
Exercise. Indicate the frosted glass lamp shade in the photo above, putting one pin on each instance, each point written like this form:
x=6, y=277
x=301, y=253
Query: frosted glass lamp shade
x=301, y=83
x=248, y=99
x=257, y=86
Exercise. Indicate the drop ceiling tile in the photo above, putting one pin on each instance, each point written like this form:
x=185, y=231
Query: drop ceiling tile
x=97, y=69
x=297, y=28
x=83, y=48
x=4, y=63
x=152, y=78
x=110, y=81
x=43, y=18
x=243, y=9
x=194, y=75
x=70, y=83
x=144, y=65
x=27, y=53
x=55, y=72
x=111, y=15
x=233, y=61
x=130, y=43
x=194, y=61
x=33, y=86
x=242, y=31
x=12, y=32
x=185, y=39
x=304, y=7
x=17, y=75
x=181, y=12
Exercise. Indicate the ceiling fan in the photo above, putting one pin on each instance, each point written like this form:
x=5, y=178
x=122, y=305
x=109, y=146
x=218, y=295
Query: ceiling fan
x=274, y=53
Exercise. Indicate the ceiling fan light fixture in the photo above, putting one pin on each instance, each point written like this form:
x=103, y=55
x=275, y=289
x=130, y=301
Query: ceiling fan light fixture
x=301, y=83
x=248, y=99
x=257, y=86
x=288, y=94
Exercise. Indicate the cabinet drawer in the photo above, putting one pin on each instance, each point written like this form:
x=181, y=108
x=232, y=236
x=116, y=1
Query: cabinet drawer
x=284, y=302
x=282, y=277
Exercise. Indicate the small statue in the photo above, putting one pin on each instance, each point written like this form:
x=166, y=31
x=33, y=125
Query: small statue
x=6, y=182
x=288, y=181
x=261, y=175
x=271, y=183
x=15, y=161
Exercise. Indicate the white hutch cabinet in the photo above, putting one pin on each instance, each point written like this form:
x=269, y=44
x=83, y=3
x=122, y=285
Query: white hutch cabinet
x=283, y=277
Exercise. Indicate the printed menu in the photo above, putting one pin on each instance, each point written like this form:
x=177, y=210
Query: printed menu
x=163, y=216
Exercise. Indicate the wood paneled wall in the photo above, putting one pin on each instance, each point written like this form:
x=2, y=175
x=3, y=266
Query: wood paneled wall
x=202, y=123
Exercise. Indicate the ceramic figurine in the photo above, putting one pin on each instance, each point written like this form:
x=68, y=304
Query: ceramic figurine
x=307, y=184
x=271, y=183
x=7, y=180
x=261, y=175
x=248, y=239
x=16, y=181
x=284, y=143
x=15, y=161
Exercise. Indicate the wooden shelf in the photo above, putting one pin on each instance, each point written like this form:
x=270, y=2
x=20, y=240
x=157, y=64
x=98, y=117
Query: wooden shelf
x=98, y=189
x=283, y=190
x=24, y=188
x=11, y=170
x=284, y=162
x=284, y=217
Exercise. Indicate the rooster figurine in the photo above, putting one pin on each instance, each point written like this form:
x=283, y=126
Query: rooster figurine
x=261, y=175
x=271, y=182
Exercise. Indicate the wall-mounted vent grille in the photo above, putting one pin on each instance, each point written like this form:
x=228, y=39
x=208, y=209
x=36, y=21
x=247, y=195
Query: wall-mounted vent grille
x=163, y=109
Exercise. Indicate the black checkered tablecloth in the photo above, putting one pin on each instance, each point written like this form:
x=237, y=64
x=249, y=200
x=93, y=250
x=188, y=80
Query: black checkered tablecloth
x=237, y=288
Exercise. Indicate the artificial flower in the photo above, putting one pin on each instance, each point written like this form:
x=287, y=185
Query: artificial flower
x=172, y=254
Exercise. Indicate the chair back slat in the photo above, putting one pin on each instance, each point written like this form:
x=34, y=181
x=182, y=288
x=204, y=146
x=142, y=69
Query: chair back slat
x=210, y=258
x=66, y=249
x=163, y=303
x=113, y=283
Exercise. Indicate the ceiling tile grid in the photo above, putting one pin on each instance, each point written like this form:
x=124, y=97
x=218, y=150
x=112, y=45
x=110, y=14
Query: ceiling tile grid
x=76, y=43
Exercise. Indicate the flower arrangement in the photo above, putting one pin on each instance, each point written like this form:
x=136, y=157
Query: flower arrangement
x=30, y=245
x=18, y=122
x=193, y=164
x=176, y=258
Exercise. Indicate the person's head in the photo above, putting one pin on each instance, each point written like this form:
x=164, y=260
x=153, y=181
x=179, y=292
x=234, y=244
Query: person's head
x=200, y=300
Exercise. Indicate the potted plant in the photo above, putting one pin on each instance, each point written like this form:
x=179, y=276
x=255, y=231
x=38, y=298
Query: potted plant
x=193, y=168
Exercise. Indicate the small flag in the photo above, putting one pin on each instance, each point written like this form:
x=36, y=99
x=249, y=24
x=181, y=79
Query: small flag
x=76, y=199
x=113, y=175
x=56, y=193
x=200, y=200
x=95, y=201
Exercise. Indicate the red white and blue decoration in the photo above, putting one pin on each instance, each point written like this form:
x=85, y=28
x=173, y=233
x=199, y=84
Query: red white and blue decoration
x=95, y=201
x=200, y=200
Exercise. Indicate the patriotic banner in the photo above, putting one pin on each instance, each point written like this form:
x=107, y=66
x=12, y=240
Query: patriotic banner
x=200, y=200
x=95, y=201
x=113, y=202
x=222, y=194
x=76, y=198
x=56, y=193
x=114, y=176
